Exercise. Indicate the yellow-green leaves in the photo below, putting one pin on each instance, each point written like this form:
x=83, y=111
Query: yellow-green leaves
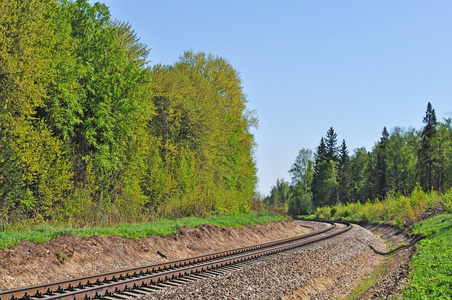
x=90, y=134
x=201, y=108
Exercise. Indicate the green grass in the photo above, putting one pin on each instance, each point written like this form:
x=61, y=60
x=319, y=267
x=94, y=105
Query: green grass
x=431, y=276
x=61, y=255
x=307, y=217
x=14, y=235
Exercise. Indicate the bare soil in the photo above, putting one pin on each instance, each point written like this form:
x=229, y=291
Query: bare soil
x=71, y=256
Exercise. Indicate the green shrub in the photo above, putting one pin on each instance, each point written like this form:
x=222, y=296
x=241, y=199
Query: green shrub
x=398, y=210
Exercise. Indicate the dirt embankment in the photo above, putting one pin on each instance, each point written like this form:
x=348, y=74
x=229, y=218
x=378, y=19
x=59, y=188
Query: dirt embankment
x=71, y=256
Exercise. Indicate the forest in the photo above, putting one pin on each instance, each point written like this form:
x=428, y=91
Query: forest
x=399, y=163
x=91, y=133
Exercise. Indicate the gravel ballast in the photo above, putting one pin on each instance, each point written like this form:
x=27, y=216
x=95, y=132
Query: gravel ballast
x=330, y=269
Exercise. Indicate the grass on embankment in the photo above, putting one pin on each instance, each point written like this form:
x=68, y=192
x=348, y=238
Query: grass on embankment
x=431, y=268
x=44, y=232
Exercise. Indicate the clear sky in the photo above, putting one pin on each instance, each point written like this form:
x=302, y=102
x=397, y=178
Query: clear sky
x=306, y=66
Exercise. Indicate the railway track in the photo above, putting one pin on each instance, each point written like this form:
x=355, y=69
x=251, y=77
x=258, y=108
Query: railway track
x=141, y=280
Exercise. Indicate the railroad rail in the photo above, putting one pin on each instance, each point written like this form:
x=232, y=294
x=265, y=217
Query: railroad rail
x=113, y=284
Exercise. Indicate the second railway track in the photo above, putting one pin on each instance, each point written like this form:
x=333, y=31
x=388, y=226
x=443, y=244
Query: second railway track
x=145, y=279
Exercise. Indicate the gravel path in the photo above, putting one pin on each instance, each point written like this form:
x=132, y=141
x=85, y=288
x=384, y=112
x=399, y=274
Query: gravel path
x=326, y=270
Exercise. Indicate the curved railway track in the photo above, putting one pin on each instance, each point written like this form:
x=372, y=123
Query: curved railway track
x=139, y=280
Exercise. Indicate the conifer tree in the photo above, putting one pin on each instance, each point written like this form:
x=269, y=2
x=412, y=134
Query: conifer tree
x=381, y=166
x=320, y=155
x=343, y=172
x=331, y=148
x=426, y=151
x=324, y=176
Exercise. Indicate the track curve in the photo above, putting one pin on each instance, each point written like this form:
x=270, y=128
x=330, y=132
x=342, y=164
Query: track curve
x=143, y=278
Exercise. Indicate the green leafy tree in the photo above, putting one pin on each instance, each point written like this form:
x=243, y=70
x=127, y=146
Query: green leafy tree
x=200, y=106
x=11, y=190
x=115, y=99
x=27, y=43
x=401, y=160
x=130, y=43
x=280, y=193
x=442, y=145
x=300, y=201
x=360, y=175
x=303, y=169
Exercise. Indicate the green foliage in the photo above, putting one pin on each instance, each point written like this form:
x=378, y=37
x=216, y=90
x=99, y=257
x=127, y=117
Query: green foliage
x=91, y=135
x=426, y=153
x=397, y=210
x=396, y=165
x=130, y=43
x=300, y=202
x=447, y=200
x=203, y=157
x=302, y=170
x=12, y=193
x=431, y=267
x=26, y=46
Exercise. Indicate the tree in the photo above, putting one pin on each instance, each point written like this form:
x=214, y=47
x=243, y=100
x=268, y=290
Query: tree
x=200, y=106
x=426, y=151
x=27, y=46
x=442, y=149
x=361, y=175
x=130, y=43
x=381, y=165
x=320, y=157
x=303, y=169
x=280, y=193
x=331, y=147
x=325, y=179
x=320, y=154
x=343, y=174
x=300, y=201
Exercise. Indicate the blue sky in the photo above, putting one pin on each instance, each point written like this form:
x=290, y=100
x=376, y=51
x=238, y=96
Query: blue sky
x=306, y=66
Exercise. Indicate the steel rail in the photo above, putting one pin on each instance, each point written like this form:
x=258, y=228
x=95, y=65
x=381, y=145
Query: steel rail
x=106, y=284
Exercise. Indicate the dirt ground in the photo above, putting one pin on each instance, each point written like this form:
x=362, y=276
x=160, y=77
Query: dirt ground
x=71, y=256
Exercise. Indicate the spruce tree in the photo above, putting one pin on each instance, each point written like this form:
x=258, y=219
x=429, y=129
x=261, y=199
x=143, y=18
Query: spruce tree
x=426, y=151
x=381, y=166
x=343, y=165
x=331, y=148
x=320, y=155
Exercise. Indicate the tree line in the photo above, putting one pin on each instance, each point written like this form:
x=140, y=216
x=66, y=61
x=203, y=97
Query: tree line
x=398, y=163
x=90, y=133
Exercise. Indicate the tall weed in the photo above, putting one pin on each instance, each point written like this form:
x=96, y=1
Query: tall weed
x=397, y=209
